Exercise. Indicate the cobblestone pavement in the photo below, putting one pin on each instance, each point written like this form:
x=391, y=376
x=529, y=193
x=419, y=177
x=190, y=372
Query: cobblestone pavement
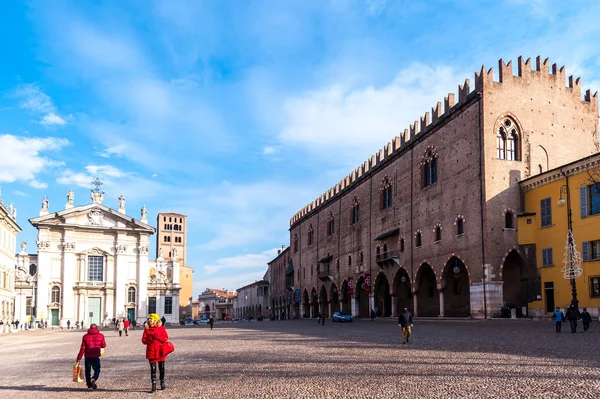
x=301, y=359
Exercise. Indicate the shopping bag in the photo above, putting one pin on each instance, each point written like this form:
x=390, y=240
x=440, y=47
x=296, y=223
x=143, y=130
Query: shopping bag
x=166, y=348
x=78, y=373
x=101, y=351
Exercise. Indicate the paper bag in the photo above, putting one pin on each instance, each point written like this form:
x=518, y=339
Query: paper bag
x=78, y=373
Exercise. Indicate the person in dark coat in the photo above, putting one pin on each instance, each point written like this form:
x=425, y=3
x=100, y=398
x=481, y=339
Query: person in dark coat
x=573, y=315
x=154, y=336
x=558, y=319
x=211, y=321
x=91, y=346
x=405, y=321
x=586, y=318
x=372, y=315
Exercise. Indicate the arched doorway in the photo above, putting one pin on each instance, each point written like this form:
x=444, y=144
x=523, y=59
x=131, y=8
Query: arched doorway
x=207, y=310
x=314, y=301
x=346, y=298
x=457, y=292
x=362, y=297
x=383, y=299
x=428, y=299
x=323, y=302
x=514, y=284
x=402, y=290
x=305, y=304
x=335, y=299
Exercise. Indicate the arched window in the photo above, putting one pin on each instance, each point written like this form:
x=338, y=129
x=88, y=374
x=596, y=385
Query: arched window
x=438, y=233
x=361, y=257
x=295, y=242
x=501, y=144
x=508, y=220
x=355, y=211
x=385, y=250
x=32, y=269
x=349, y=260
x=386, y=193
x=508, y=141
x=429, y=169
x=402, y=245
x=311, y=234
x=330, y=224
x=377, y=250
x=55, y=294
x=131, y=295
x=418, y=239
x=460, y=228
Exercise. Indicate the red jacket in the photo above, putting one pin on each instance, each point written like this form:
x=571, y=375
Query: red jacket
x=126, y=323
x=91, y=343
x=153, y=338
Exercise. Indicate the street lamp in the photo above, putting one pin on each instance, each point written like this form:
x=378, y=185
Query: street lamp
x=572, y=260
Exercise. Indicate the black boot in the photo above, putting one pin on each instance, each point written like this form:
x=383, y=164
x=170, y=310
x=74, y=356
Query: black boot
x=153, y=376
x=161, y=369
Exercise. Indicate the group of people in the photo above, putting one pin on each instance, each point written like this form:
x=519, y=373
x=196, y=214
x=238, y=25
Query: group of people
x=572, y=315
x=93, y=344
x=123, y=325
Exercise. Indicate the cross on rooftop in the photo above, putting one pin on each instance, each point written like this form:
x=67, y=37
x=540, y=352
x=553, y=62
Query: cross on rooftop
x=97, y=183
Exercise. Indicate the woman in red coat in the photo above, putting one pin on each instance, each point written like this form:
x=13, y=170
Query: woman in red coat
x=154, y=336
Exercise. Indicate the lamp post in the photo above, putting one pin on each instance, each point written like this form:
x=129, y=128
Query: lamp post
x=572, y=261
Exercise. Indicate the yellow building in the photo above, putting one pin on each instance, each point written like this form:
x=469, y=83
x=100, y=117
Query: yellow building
x=543, y=232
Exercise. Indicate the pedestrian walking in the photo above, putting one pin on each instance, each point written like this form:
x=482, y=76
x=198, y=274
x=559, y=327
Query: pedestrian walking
x=586, y=318
x=405, y=321
x=319, y=317
x=154, y=336
x=91, y=346
x=211, y=321
x=116, y=321
x=120, y=326
x=68, y=324
x=372, y=315
x=558, y=319
x=126, y=325
x=133, y=324
x=81, y=324
x=573, y=315
x=163, y=321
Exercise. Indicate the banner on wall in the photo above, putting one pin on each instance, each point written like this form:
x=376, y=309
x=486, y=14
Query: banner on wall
x=367, y=283
x=350, y=286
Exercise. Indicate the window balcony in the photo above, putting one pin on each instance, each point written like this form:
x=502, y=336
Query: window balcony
x=388, y=258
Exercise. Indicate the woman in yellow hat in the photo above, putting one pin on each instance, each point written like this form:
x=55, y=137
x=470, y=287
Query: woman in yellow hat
x=154, y=336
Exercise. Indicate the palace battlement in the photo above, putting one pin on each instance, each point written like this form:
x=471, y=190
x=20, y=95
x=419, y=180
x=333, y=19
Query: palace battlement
x=553, y=76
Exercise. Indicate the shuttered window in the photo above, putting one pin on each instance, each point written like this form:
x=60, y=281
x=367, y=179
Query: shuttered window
x=546, y=211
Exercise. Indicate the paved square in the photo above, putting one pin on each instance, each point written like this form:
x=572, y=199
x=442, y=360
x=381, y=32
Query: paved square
x=302, y=359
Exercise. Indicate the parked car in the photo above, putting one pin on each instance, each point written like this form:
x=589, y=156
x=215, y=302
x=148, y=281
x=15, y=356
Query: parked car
x=342, y=317
x=203, y=320
x=188, y=321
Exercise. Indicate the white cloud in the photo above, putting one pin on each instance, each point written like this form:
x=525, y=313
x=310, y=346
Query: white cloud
x=155, y=175
x=70, y=177
x=52, y=119
x=269, y=150
x=352, y=121
x=36, y=101
x=21, y=158
x=247, y=261
x=38, y=185
x=105, y=170
x=20, y=193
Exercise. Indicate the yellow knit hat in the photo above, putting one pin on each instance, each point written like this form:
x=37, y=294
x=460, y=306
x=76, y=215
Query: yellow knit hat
x=154, y=316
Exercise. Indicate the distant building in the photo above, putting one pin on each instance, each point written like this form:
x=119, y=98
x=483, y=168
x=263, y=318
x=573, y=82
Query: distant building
x=282, y=295
x=543, y=228
x=252, y=300
x=171, y=239
x=216, y=303
x=8, y=238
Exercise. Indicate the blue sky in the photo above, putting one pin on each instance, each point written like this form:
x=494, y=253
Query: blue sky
x=240, y=113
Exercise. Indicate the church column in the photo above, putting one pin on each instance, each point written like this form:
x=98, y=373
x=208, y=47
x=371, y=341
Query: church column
x=43, y=275
x=394, y=306
x=415, y=303
x=354, y=307
x=69, y=271
x=109, y=310
x=142, y=280
x=120, y=281
x=441, y=295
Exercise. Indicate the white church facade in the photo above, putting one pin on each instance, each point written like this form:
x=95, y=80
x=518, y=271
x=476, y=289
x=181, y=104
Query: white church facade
x=92, y=266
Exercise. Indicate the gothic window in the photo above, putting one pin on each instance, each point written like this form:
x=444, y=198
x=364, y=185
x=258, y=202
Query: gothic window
x=402, y=245
x=385, y=250
x=349, y=260
x=355, y=211
x=295, y=242
x=311, y=234
x=55, y=294
x=131, y=295
x=95, y=268
x=508, y=141
x=429, y=169
x=361, y=257
x=330, y=224
x=418, y=239
x=508, y=220
x=386, y=193
x=460, y=228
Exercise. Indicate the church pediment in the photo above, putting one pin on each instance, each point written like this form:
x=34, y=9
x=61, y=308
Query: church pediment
x=92, y=216
x=95, y=251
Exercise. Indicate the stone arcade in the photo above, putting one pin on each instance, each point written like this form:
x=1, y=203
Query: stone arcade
x=92, y=265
